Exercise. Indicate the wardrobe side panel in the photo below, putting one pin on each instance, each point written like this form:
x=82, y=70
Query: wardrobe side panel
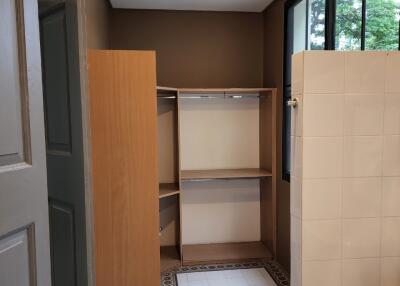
x=122, y=87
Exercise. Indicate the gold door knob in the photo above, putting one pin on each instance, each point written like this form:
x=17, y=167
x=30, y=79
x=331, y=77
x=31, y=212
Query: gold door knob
x=293, y=102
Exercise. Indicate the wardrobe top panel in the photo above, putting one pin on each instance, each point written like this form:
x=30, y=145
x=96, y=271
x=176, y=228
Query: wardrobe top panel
x=162, y=89
x=224, y=90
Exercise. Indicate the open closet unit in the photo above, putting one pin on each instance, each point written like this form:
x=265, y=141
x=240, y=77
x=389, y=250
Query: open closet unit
x=216, y=168
x=181, y=176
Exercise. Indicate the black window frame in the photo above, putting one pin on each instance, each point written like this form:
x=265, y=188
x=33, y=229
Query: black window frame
x=330, y=39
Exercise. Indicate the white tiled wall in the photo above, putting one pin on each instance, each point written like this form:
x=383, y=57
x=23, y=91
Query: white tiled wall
x=345, y=179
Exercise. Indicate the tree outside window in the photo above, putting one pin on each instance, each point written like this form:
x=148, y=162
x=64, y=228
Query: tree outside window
x=381, y=24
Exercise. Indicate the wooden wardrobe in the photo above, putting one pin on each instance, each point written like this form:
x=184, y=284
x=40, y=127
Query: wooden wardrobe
x=153, y=157
x=123, y=118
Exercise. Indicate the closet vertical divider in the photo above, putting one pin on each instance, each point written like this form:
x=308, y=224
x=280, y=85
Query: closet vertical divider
x=179, y=173
x=170, y=252
x=268, y=135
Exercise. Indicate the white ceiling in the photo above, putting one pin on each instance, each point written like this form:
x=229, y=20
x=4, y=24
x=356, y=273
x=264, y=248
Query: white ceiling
x=200, y=5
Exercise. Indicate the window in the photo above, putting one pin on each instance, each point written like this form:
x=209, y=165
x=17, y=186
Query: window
x=305, y=29
x=317, y=25
x=367, y=24
x=334, y=24
x=348, y=24
x=382, y=19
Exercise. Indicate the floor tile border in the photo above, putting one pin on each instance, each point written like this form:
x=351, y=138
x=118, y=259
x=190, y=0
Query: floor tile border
x=280, y=276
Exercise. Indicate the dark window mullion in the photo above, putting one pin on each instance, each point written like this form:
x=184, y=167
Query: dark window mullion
x=363, y=23
x=307, y=23
x=330, y=22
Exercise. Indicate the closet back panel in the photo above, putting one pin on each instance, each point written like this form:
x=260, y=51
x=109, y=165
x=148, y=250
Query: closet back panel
x=219, y=133
x=221, y=211
x=167, y=140
x=169, y=221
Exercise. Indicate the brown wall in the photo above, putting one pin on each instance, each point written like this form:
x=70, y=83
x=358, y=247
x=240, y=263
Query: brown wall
x=97, y=23
x=273, y=76
x=195, y=49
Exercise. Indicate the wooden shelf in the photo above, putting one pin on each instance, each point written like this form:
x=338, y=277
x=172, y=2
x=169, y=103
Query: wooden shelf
x=192, y=175
x=225, y=252
x=169, y=258
x=166, y=190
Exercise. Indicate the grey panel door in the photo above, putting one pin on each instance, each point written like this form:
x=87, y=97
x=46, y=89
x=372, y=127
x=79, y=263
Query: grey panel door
x=64, y=147
x=24, y=233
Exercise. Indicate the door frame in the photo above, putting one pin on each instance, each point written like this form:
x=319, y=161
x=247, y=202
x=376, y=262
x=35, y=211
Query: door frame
x=80, y=17
x=77, y=8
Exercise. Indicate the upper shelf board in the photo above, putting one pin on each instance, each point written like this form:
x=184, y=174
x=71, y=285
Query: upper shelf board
x=170, y=92
x=166, y=89
x=213, y=90
x=225, y=90
x=193, y=175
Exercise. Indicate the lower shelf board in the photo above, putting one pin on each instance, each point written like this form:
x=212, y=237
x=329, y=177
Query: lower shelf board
x=169, y=258
x=167, y=189
x=193, y=175
x=224, y=252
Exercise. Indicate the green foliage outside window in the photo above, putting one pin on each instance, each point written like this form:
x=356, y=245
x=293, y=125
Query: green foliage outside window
x=317, y=24
x=381, y=27
x=382, y=24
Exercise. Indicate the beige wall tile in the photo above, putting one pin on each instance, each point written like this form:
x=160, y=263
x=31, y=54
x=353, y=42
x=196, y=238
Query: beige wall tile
x=296, y=118
x=326, y=273
x=323, y=114
x=297, y=156
x=390, y=271
x=295, y=196
x=392, y=72
x=391, y=156
x=321, y=239
x=322, y=198
x=362, y=156
x=361, y=272
x=392, y=113
x=391, y=196
x=365, y=72
x=391, y=236
x=323, y=72
x=361, y=237
x=297, y=73
x=322, y=157
x=364, y=114
x=362, y=197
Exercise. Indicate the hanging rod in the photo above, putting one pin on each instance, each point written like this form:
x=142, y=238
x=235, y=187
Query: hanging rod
x=200, y=97
x=167, y=97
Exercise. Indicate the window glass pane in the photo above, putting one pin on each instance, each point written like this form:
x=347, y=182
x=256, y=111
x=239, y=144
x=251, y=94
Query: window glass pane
x=299, y=26
x=382, y=24
x=348, y=24
x=286, y=132
x=316, y=35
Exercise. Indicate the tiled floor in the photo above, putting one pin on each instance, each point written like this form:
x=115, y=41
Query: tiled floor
x=238, y=277
x=261, y=273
